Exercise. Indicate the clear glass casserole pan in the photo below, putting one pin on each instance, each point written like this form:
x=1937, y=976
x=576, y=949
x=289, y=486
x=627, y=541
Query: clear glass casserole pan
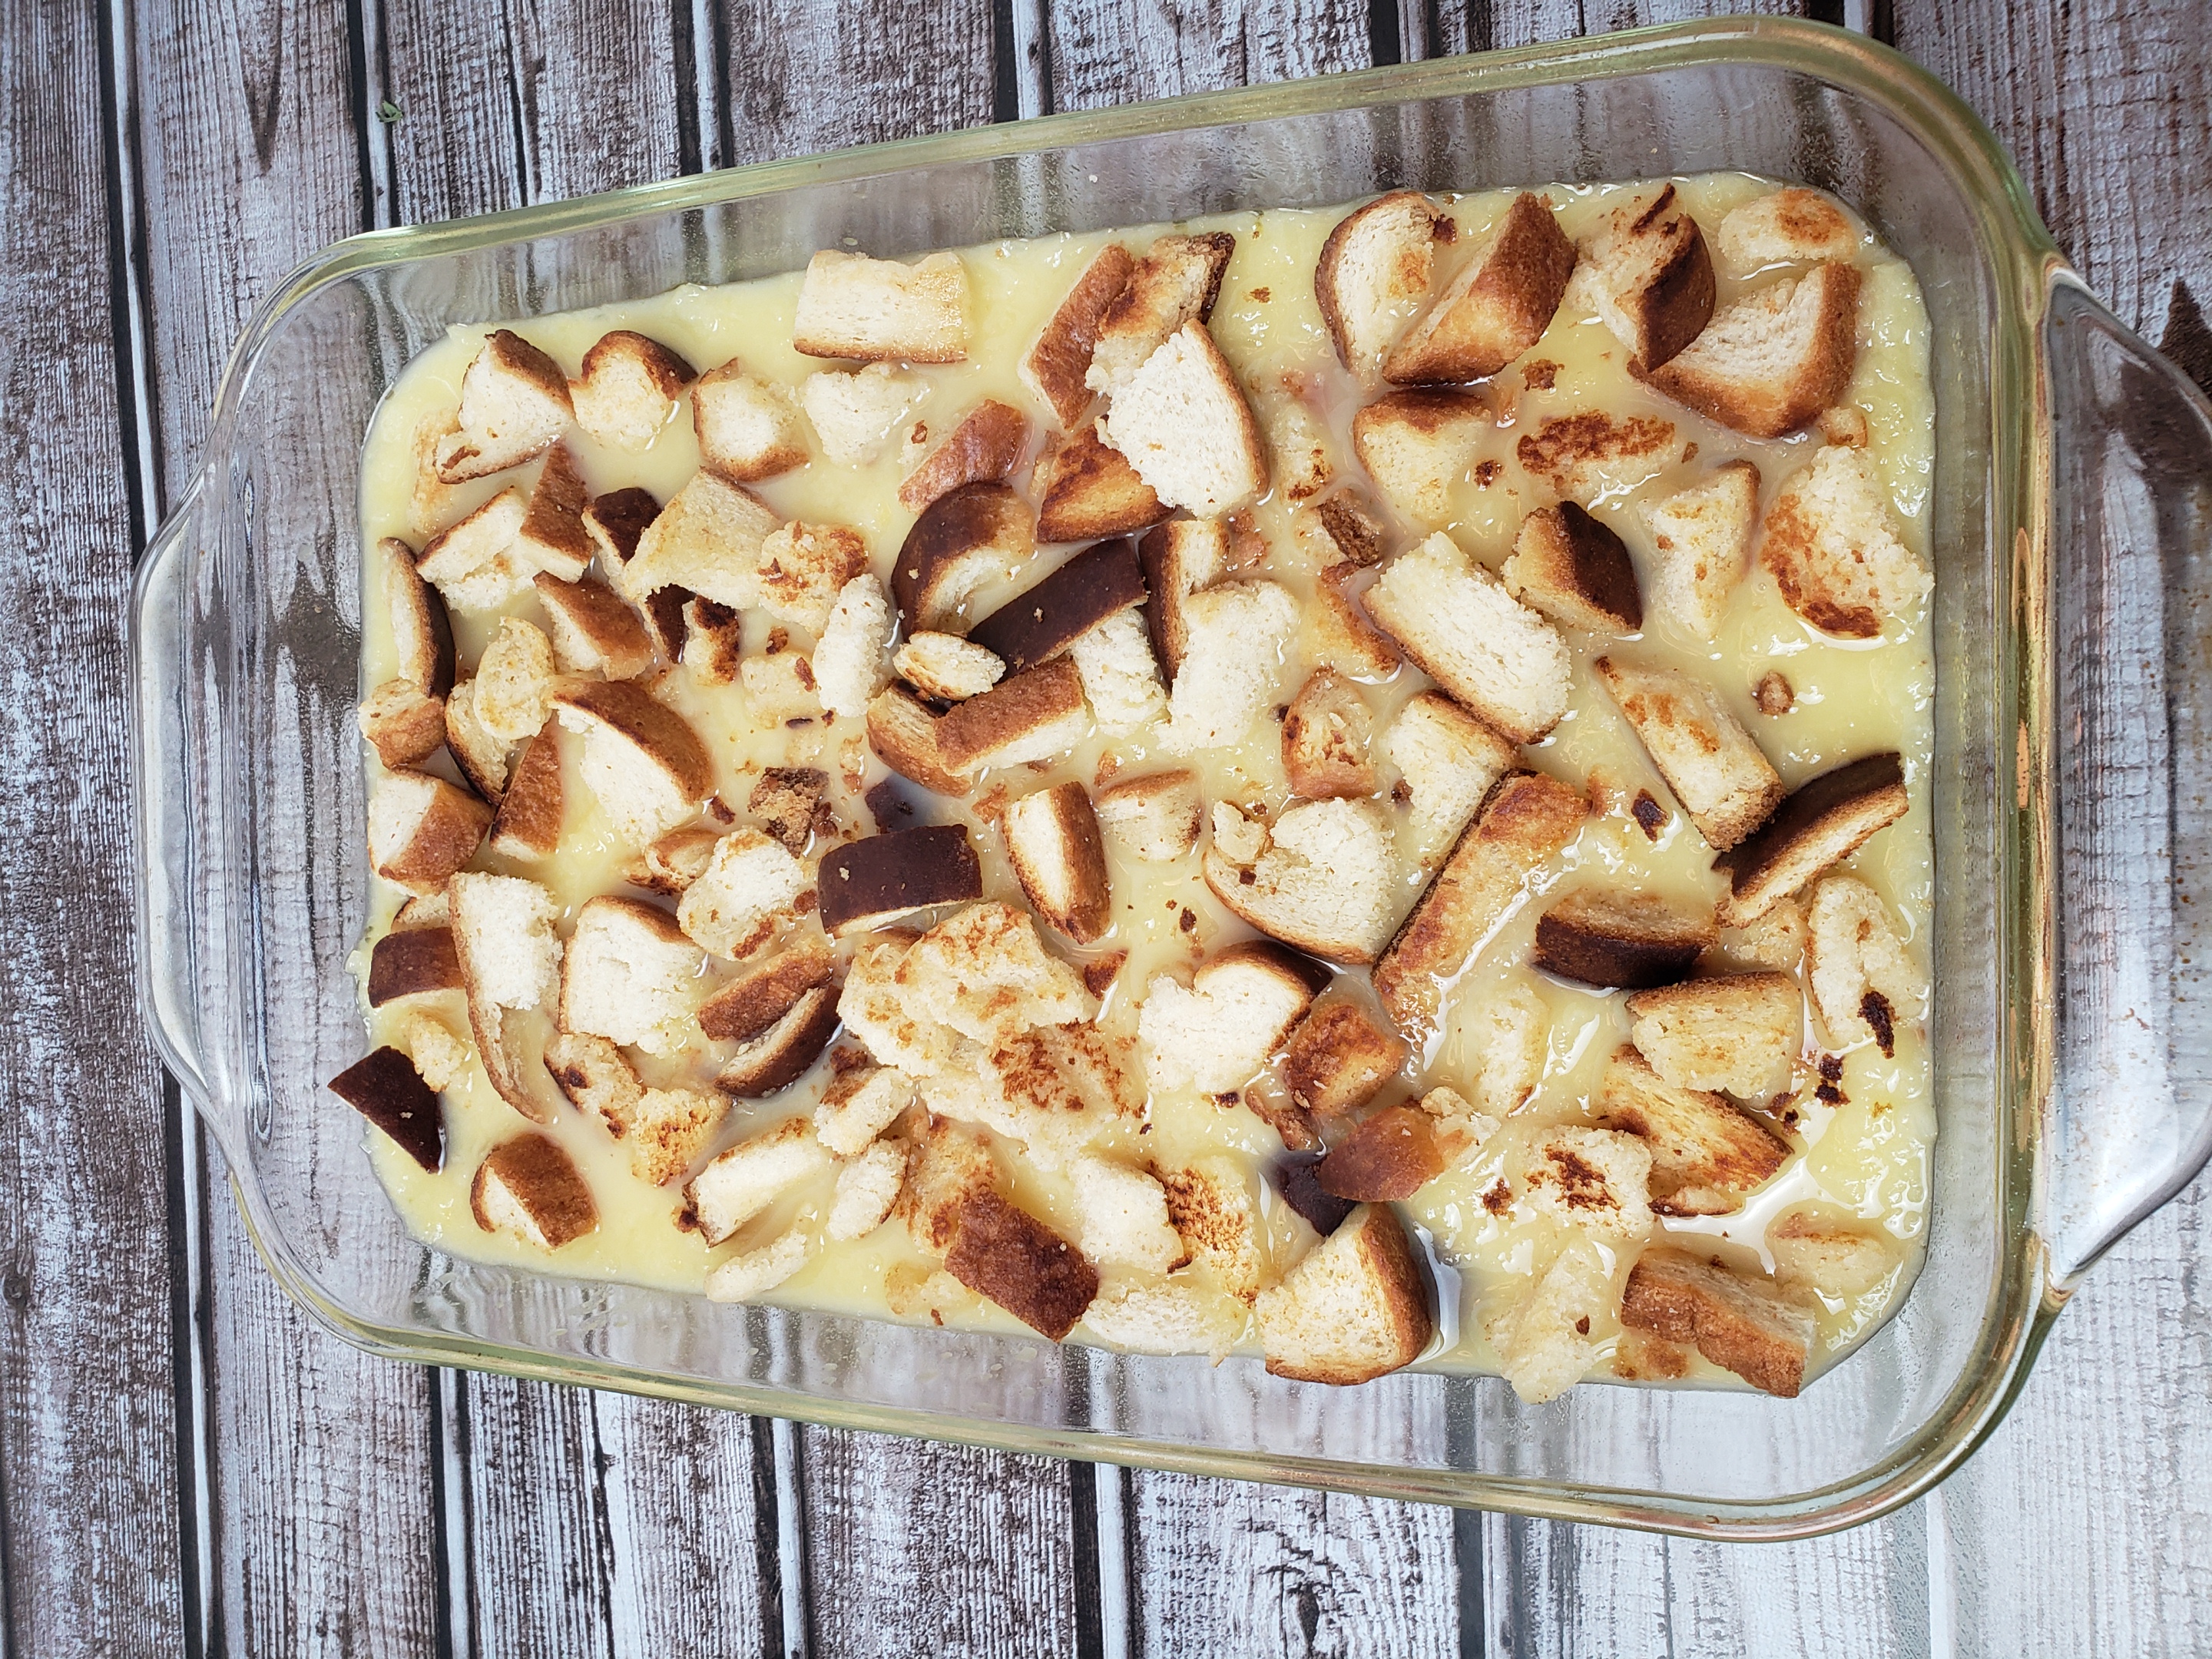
x=2072, y=524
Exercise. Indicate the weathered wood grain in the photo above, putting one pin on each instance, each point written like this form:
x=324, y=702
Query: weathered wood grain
x=89, y=1434
x=313, y=1458
x=1436, y=28
x=1120, y=54
x=2084, y=1526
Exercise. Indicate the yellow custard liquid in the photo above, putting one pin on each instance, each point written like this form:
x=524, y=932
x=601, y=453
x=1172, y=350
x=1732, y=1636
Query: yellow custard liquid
x=1868, y=1157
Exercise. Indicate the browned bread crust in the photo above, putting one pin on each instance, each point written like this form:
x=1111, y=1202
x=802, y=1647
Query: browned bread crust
x=1055, y=364
x=1014, y=715
x=664, y=735
x=984, y=448
x=412, y=962
x=436, y=834
x=401, y=725
x=962, y=540
x=1339, y=1059
x=1497, y=308
x=1707, y=1153
x=875, y=880
x=385, y=1088
x=1049, y=615
x=1303, y=1328
x=1575, y=570
x=552, y=537
x=615, y=520
x=1177, y=558
x=1749, y=1325
x=1058, y=856
x=528, y=825
x=904, y=734
x=1008, y=1256
x=1087, y=488
x=1620, y=941
x=592, y=629
x=539, y=1178
x=751, y=1004
x=1655, y=279
x=1736, y=372
x=1390, y=1155
x=1822, y=822
x=1327, y=736
x=777, y=1057
x=1378, y=256
x=422, y=632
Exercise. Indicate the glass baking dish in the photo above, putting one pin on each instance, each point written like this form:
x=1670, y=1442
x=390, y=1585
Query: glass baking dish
x=2072, y=494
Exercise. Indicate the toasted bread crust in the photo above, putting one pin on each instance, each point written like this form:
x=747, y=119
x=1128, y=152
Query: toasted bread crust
x=1059, y=858
x=962, y=539
x=412, y=962
x=1655, y=275
x=1018, y=713
x=1390, y=241
x=1087, y=488
x=751, y=1005
x=1338, y=1060
x=1749, y=1325
x=627, y=709
x=1497, y=308
x=422, y=632
x=1820, y=823
x=1527, y=819
x=615, y=520
x=401, y=725
x=1177, y=558
x=1707, y=1154
x=1620, y=941
x=1176, y=281
x=1390, y=1155
x=1729, y=372
x=904, y=734
x=528, y=825
x=1575, y=570
x=1054, y=366
x=871, y=881
x=775, y=1059
x=1327, y=735
x=539, y=1177
x=440, y=838
x=984, y=448
x=1394, y=1287
x=1007, y=1256
x=1047, y=617
x=385, y=1088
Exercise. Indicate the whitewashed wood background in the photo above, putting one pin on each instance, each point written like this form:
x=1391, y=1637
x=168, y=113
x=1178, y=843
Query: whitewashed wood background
x=187, y=1466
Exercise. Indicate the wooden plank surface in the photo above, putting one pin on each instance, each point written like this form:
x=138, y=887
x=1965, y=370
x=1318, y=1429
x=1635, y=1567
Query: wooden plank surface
x=89, y=1463
x=315, y=1501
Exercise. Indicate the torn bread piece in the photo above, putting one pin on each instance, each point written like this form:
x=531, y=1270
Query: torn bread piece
x=1124, y=1216
x=1155, y=818
x=1543, y=1338
x=1210, y=1205
x=852, y=656
x=675, y=861
x=1120, y=679
x=1596, y=1180
x=903, y=734
x=713, y=653
x=1052, y=613
x=1701, y=545
x=473, y=562
x=510, y=959
x=1054, y=845
x=1175, y=283
x=1834, y=551
x=707, y=540
x=1008, y=1256
x=514, y=681
x=1374, y=270
x=876, y=880
x=1354, y=1308
x=402, y=724
x=1184, y=424
x=422, y=632
x=804, y=568
x=528, y=825
x=1057, y=362
x=854, y=307
x=854, y=412
x=1493, y=653
x=1327, y=735
x=1054, y=1089
x=1650, y=279
x=859, y=1105
x=1498, y=305
x=1836, y=1258
x=441, y=1058
x=738, y=1184
x=617, y=520
x=592, y=630
x=946, y=666
x=630, y=975
x=412, y=962
x=1574, y=569
x=1234, y=638
x=1338, y=632
x=1301, y=458
x=1338, y=1060
x=772, y=1061
x=1511, y=1035
x=1527, y=819
x=1417, y=445
x=1341, y=530
x=552, y=537
x=1178, y=558
x=985, y=448
x=751, y=884
x=1822, y=821
x=747, y=428
x=1707, y=1155
x=1791, y=226
x=1748, y=1325
x=1590, y=454
x=1737, y=1033
x=964, y=539
x=384, y=1087
x=670, y=1128
x=596, y=1076
x=1770, y=362
x=1621, y=940
x=422, y=829
x=751, y=1273
x=1449, y=759
x=1165, y=1316
x=1717, y=772
x=628, y=389
x=753, y=1003
x=948, y=1163
x=1086, y=489
x=867, y=1191
x=641, y=760
x=792, y=803
x=983, y=972
x=1324, y=884
x=1218, y=1034
x=1778, y=939
x=529, y=1189
x=1036, y=715
x=1865, y=981
x=514, y=405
